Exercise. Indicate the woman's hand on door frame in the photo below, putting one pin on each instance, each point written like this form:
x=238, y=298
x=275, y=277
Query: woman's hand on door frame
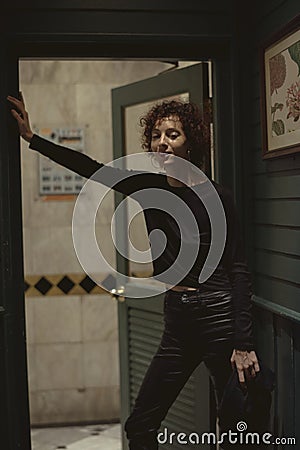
x=21, y=116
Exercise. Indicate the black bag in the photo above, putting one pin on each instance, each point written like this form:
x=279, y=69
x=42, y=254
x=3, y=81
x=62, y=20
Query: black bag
x=251, y=405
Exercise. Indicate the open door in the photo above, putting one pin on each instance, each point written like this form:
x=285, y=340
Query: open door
x=141, y=319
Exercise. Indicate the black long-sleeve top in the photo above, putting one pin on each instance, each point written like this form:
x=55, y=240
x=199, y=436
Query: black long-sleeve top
x=232, y=271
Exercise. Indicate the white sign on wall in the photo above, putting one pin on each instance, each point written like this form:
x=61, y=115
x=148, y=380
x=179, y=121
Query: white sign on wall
x=53, y=178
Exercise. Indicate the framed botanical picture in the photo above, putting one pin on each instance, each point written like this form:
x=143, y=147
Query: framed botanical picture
x=280, y=91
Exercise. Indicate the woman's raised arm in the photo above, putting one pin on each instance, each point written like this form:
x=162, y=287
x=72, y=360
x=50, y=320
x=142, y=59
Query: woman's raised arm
x=122, y=180
x=71, y=159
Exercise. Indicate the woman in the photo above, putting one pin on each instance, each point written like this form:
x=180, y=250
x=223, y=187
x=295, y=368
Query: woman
x=208, y=322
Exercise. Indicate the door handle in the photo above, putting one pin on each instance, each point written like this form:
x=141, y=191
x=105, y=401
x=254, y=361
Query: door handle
x=118, y=294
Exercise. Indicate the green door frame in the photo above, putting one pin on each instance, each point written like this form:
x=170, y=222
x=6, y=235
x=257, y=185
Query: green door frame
x=13, y=377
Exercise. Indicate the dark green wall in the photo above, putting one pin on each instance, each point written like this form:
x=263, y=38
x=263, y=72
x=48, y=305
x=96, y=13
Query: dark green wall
x=273, y=191
x=276, y=188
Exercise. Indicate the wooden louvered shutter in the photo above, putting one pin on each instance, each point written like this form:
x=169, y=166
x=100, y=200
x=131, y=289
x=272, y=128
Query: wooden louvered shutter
x=190, y=411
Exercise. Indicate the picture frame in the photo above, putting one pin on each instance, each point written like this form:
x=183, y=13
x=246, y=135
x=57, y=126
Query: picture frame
x=280, y=91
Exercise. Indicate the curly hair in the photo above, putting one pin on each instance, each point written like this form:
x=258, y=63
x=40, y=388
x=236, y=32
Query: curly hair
x=194, y=125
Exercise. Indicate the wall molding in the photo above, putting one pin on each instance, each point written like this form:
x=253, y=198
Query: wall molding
x=279, y=310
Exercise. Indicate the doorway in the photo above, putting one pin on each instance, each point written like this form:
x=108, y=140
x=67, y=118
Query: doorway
x=59, y=295
x=203, y=35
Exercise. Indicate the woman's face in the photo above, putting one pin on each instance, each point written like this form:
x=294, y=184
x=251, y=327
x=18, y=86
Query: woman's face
x=168, y=137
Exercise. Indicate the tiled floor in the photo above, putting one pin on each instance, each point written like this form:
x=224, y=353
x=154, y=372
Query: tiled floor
x=90, y=437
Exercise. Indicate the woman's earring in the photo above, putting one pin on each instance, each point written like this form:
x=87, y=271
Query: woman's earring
x=189, y=154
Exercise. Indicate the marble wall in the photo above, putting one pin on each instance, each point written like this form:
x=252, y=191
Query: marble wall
x=72, y=340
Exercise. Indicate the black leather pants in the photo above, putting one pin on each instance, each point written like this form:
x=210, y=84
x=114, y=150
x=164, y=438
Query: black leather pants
x=198, y=327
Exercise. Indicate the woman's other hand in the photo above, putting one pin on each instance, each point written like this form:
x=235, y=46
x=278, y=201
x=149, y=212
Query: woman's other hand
x=21, y=116
x=246, y=364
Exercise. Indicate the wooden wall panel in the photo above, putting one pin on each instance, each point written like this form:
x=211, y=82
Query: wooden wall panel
x=275, y=185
